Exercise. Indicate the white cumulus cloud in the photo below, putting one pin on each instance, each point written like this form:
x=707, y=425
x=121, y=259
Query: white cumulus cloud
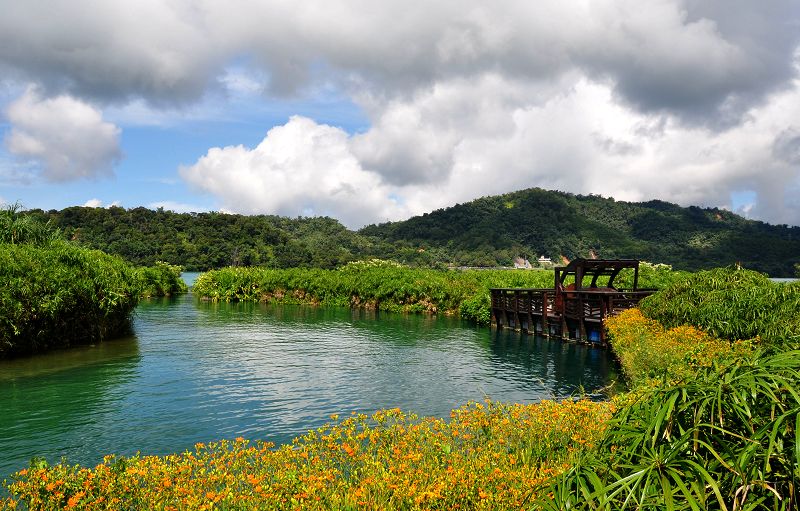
x=98, y=203
x=66, y=137
x=690, y=101
x=580, y=140
x=300, y=168
x=177, y=207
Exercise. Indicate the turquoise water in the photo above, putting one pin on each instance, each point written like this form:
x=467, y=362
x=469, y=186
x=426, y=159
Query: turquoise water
x=195, y=372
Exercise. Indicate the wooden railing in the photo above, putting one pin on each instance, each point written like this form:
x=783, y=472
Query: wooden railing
x=571, y=311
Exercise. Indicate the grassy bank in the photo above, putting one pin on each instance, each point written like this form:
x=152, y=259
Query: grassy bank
x=388, y=286
x=379, y=285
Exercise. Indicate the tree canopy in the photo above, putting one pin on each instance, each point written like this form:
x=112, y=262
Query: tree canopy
x=490, y=231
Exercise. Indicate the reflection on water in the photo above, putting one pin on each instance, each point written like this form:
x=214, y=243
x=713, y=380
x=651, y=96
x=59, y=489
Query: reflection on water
x=200, y=371
x=126, y=349
x=63, y=403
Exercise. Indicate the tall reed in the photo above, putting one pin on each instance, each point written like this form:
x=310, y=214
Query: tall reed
x=380, y=285
x=730, y=303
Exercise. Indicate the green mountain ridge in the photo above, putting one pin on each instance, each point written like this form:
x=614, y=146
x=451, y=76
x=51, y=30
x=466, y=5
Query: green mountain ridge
x=490, y=231
x=538, y=222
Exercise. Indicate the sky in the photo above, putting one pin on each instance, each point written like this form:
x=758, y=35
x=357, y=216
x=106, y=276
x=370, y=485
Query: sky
x=376, y=110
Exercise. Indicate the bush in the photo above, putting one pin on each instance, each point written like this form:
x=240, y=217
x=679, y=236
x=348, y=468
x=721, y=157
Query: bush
x=730, y=303
x=163, y=279
x=59, y=295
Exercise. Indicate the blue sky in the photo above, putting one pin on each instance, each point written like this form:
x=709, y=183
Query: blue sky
x=155, y=144
x=375, y=111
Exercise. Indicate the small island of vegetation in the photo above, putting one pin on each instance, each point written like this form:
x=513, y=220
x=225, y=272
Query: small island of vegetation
x=57, y=294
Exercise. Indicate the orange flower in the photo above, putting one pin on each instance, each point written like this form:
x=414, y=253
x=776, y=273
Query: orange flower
x=73, y=501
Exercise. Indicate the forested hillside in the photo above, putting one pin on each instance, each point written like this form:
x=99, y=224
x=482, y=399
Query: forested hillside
x=537, y=222
x=490, y=231
x=201, y=241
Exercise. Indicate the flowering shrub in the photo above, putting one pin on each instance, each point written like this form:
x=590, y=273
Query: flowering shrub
x=647, y=350
x=487, y=456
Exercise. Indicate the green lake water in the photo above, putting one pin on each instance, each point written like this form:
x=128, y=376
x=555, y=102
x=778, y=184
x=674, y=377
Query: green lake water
x=195, y=372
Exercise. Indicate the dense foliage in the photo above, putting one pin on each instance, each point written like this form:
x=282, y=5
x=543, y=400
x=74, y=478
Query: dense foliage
x=384, y=285
x=711, y=423
x=485, y=457
x=727, y=438
x=201, y=241
x=16, y=228
x=372, y=284
x=59, y=295
x=537, y=222
x=161, y=279
x=487, y=232
x=731, y=303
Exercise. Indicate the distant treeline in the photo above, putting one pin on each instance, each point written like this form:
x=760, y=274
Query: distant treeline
x=202, y=241
x=539, y=222
x=486, y=232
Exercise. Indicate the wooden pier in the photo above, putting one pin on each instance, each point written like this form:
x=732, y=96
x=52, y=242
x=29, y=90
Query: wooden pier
x=573, y=310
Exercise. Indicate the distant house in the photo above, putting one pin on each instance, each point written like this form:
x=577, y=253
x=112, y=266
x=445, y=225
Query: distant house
x=521, y=263
x=545, y=260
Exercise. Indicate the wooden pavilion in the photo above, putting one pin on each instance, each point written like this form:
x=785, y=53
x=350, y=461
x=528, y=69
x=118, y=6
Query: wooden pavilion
x=582, y=297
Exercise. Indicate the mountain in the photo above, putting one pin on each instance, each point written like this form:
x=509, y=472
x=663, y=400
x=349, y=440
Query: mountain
x=489, y=231
x=536, y=222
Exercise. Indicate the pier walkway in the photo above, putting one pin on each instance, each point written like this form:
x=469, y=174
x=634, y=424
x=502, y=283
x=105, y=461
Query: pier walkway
x=576, y=307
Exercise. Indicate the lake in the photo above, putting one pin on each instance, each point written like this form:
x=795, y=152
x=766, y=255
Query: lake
x=195, y=372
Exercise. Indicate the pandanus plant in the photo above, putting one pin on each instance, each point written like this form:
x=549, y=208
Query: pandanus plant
x=725, y=440
x=16, y=228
